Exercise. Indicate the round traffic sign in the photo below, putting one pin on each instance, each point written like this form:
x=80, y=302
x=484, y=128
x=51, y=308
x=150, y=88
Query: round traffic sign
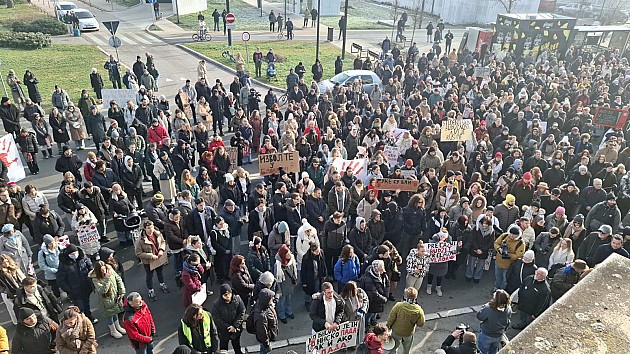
x=115, y=41
x=245, y=36
x=230, y=18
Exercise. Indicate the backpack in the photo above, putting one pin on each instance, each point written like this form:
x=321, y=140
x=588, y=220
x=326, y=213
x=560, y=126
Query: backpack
x=362, y=349
x=249, y=323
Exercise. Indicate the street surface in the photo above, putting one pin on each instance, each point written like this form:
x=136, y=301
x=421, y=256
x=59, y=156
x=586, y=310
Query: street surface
x=175, y=67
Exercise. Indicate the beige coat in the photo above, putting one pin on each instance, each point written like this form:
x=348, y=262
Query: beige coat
x=167, y=187
x=86, y=337
x=75, y=119
x=144, y=247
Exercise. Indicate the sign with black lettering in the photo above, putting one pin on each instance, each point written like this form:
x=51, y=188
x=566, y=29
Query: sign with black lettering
x=456, y=130
x=391, y=184
x=441, y=252
x=611, y=117
x=343, y=337
x=270, y=164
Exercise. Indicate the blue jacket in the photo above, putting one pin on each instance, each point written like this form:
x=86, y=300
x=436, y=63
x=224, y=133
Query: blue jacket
x=48, y=261
x=345, y=272
x=72, y=276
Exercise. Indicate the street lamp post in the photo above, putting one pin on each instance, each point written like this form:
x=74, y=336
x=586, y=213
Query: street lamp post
x=345, y=30
x=229, y=31
x=317, y=41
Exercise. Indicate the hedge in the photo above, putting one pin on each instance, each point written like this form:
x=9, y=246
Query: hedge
x=44, y=25
x=23, y=40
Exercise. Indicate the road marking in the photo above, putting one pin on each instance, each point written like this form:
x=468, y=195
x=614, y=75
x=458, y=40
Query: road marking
x=148, y=38
x=95, y=38
x=126, y=39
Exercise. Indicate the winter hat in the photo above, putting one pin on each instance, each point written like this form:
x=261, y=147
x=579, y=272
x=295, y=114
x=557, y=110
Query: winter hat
x=66, y=148
x=540, y=218
x=571, y=183
x=450, y=174
x=358, y=221
x=514, y=230
x=228, y=178
x=229, y=202
x=554, y=230
x=158, y=197
x=283, y=227
x=304, y=174
x=225, y=288
x=582, y=168
x=48, y=239
x=579, y=218
x=556, y=191
x=7, y=228
x=611, y=196
x=409, y=163
x=498, y=154
x=510, y=198
x=527, y=175
x=71, y=249
x=560, y=210
x=605, y=229
x=528, y=257
x=283, y=252
x=24, y=313
x=267, y=279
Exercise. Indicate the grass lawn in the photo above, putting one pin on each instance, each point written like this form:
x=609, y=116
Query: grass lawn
x=361, y=15
x=66, y=65
x=19, y=13
x=248, y=16
x=290, y=52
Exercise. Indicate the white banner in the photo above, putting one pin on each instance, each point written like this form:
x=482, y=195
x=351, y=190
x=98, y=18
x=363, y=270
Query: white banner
x=10, y=155
x=392, y=153
x=325, y=342
x=359, y=166
x=121, y=96
x=89, y=238
x=397, y=133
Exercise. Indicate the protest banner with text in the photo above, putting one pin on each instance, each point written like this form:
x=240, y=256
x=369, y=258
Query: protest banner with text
x=391, y=184
x=441, y=252
x=270, y=164
x=457, y=130
x=326, y=342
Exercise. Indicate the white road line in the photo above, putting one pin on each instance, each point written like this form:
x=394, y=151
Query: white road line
x=148, y=38
x=126, y=39
x=95, y=38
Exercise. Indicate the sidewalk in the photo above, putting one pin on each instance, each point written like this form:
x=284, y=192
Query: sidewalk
x=112, y=6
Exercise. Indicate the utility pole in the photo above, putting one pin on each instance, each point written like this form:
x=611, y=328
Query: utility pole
x=421, y=14
x=229, y=31
x=415, y=21
x=317, y=40
x=345, y=30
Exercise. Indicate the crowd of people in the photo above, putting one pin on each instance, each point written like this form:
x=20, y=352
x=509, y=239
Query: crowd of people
x=538, y=192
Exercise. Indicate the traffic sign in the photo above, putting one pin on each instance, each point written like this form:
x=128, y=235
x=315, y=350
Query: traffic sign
x=245, y=36
x=112, y=26
x=230, y=18
x=115, y=41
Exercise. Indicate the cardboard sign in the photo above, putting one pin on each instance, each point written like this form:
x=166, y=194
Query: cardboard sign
x=359, y=166
x=441, y=252
x=410, y=174
x=232, y=153
x=482, y=72
x=159, y=262
x=390, y=184
x=269, y=164
x=610, y=117
x=325, y=342
x=89, y=237
x=392, y=153
x=457, y=130
x=10, y=155
x=121, y=96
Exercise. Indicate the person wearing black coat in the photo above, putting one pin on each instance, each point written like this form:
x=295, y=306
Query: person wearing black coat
x=312, y=277
x=28, y=146
x=39, y=338
x=68, y=162
x=317, y=311
x=519, y=270
x=48, y=302
x=96, y=80
x=393, y=218
x=10, y=115
x=31, y=83
x=376, y=285
x=131, y=177
x=47, y=222
x=481, y=241
x=260, y=215
x=92, y=198
x=228, y=313
x=201, y=220
x=534, y=297
x=72, y=277
x=217, y=108
x=468, y=345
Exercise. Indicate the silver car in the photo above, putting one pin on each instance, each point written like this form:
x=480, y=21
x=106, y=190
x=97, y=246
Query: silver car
x=346, y=78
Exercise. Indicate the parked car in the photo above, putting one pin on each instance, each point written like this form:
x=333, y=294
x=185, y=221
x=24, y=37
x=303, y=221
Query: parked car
x=87, y=21
x=346, y=78
x=576, y=9
x=62, y=7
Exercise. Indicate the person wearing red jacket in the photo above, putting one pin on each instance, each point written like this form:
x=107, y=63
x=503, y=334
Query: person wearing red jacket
x=139, y=324
x=156, y=133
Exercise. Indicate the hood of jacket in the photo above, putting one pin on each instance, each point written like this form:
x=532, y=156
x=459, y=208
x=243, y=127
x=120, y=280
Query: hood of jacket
x=358, y=222
x=372, y=342
x=65, y=258
x=104, y=253
x=264, y=298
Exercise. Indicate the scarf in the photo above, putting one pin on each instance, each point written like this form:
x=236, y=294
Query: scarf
x=193, y=270
x=485, y=231
x=71, y=335
x=129, y=168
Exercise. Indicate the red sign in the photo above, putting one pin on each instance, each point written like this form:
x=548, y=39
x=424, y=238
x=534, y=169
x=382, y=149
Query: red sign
x=230, y=18
x=611, y=117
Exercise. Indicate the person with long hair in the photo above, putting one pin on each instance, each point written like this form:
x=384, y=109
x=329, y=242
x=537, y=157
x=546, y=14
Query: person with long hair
x=11, y=277
x=356, y=303
x=191, y=278
x=348, y=267
x=242, y=283
x=562, y=254
x=495, y=319
x=222, y=243
x=149, y=248
x=76, y=333
x=285, y=272
x=109, y=285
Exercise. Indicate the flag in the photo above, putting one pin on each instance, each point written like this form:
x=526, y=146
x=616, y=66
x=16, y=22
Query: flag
x=10, y=155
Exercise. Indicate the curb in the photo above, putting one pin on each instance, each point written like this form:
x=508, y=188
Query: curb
x=428, y=317
x=226, y=68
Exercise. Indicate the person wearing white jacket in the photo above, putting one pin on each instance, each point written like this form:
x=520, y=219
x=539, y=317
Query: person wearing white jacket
x=562, y=253
x=305, y=235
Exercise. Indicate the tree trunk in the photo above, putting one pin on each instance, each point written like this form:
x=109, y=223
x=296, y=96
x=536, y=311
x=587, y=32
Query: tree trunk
x=9, y=4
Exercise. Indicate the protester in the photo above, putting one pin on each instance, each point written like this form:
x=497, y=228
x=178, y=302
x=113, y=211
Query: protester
x=75, y=333
x=33, y=334
x=197, y=330
x=403, y=319
x=138, y=322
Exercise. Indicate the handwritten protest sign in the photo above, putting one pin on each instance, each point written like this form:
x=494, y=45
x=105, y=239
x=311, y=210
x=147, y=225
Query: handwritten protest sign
x=120, y=96
x=441, y=252
x=10, y=155
x=397, y=132
x=326, y=342
x=359, y=166
x=89, y=238
x=391, y=184
x=232, y=153
x=457, y=130
x=482, y=72
x=610, y=117
x=269, y=164
x=392, y=153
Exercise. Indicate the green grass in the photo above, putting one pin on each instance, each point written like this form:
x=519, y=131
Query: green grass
x=290, y=52
x=248, y=16
x=66, y=65
x=361, y=15
x=19, y=13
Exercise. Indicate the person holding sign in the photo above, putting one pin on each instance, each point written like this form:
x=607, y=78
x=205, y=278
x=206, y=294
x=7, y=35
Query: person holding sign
x=440, y=268
x=151, y=249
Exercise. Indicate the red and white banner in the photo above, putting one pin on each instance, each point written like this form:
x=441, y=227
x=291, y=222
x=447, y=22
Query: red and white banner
x=10, y=155
x=359, y=166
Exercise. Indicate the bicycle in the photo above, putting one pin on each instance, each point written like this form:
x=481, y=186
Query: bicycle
x=228, y=56
x=202, y=35
x=281, y=34
x=282, y=100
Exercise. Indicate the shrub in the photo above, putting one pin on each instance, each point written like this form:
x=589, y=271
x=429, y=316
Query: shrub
x=47, y=25
x=25, y=40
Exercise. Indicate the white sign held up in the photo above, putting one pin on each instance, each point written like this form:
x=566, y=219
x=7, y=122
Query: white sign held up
x=10, y=155
x=326, y=342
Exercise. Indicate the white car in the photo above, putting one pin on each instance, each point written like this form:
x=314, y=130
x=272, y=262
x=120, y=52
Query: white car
x=87, y=21
x=346, y=78
x=62, y=7
x=576, y=9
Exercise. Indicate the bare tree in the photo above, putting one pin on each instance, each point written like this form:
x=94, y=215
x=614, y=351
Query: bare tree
x=508, y=5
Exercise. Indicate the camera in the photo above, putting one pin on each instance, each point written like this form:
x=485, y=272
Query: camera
x=464, y=328
x=505, y=253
